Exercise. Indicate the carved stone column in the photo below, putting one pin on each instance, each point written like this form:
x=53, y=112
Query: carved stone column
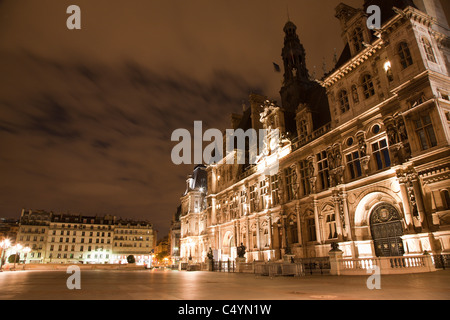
x=317, y=222
x=213, y=211
x=248, y=234
x=269, y=220
x=258, y=235
x=299, y=226
x=283, y=230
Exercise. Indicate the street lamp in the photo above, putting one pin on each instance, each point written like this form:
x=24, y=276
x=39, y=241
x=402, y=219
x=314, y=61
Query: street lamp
x=5, y=244
x=16, y=248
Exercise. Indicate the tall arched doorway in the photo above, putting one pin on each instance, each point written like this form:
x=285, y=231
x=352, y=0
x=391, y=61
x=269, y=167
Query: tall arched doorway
x=387, y=229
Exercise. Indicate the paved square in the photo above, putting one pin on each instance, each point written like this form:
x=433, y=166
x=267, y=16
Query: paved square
x=182, y=285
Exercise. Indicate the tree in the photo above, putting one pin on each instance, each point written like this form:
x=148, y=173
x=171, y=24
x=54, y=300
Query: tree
x=11, y=258
x=131, y=259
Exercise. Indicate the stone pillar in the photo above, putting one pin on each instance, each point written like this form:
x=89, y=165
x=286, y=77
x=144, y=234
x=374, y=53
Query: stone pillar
x=248, y=234
x=283, y=231
x=238, y=232
x=247, y=188
x=335, y=261
x=317, y=222
x=346, y=216
x=299, y=226
x=258, y=235
x=213, y=211
x=270, y=231
x=220, y=243
x=337, y=213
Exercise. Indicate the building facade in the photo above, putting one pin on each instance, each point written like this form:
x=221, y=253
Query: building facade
x=175, y=237
x=64, y=238
x=363, y=159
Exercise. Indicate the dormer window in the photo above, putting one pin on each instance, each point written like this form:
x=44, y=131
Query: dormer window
x=358, y=39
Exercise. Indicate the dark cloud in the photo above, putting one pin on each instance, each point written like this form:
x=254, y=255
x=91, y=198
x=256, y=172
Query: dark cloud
x=96, y=138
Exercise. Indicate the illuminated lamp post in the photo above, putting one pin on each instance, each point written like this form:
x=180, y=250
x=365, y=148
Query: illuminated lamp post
x=5, y=244
x=17, y=248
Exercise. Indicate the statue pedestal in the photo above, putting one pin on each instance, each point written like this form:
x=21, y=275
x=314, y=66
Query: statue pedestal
x=288, y=258
x=335, y=258
x=209, y=264
x=239, y=264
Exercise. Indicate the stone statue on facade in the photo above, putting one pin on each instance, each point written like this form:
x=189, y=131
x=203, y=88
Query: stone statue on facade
x=210, y=254
x=241, y=251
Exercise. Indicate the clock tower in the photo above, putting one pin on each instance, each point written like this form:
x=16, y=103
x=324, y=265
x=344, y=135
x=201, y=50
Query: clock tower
x=296, y=80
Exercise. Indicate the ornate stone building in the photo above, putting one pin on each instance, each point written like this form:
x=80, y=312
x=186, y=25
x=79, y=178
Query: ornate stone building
x=364, y=158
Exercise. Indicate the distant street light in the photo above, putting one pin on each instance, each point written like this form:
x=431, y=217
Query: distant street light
x=5, y=244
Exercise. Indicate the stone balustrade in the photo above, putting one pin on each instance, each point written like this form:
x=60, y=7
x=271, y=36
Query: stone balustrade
x=386, y=265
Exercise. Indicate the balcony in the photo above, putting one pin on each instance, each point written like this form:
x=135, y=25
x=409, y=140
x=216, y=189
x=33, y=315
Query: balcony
x=298, y=143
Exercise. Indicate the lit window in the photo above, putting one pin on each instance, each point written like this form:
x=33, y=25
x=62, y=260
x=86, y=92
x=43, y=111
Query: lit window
x=354, y=165
x=425, y=132
x=290, y=182
x=322, y=165
x=263, y=187
x=381, y=154
x=304, y=173
x=331, y=226
x=274, y=187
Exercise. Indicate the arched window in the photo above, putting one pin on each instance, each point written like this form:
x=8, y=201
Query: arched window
x=428, y=50
x=405, y=55
x=331, y=226
x=293, y=232
x=343, y=101
x=358, y=39
x=368, y=87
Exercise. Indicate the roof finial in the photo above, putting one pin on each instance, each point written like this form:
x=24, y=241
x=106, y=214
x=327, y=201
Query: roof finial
x=287, y=8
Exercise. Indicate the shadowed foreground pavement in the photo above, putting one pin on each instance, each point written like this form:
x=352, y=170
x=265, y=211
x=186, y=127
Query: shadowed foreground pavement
x=176, y=285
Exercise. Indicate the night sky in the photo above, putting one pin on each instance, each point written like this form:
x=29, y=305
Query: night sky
x=86, y=115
